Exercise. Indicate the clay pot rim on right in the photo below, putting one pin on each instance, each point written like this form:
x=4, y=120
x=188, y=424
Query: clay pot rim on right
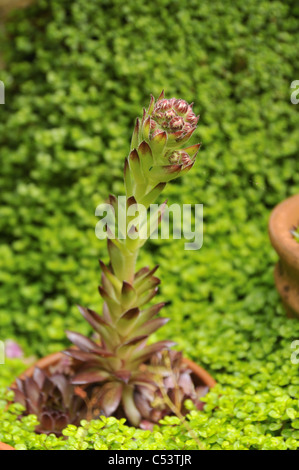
x=284, y=217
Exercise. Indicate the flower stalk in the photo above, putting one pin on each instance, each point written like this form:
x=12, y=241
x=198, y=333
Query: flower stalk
x=118, y=362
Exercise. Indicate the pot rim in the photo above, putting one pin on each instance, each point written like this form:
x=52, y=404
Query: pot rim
x=283, y=218
x=4, y=446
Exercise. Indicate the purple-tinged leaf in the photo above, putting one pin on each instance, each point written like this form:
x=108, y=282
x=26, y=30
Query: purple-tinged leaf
x=92, y=317
x=148, y=351
x=83, y=343
x=38, y=376
x=151, y=326
x=111, y=394
x=31, y=389
x=123, y=375
x=84, y=356
x=144, y=273
x=90, y=376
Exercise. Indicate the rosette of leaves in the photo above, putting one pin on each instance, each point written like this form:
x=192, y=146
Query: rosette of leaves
x=118, y=361
x=52, y=399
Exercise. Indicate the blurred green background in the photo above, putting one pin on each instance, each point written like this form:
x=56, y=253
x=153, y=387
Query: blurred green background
x=77, y=74
x=76, y=77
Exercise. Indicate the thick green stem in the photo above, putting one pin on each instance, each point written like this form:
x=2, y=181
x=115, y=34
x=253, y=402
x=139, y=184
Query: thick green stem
x=129, y=266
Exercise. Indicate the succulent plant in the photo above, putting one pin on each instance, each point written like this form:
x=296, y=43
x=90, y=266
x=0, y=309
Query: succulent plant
x=52, y=399
x=122, y=361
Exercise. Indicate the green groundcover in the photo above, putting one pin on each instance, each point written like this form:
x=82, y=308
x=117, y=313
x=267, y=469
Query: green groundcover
x=77, y=73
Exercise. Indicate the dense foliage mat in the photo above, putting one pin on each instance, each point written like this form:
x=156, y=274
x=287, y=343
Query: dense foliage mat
x=76, y=74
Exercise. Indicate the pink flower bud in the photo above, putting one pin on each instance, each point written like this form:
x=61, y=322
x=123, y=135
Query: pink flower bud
x=176, y=117
x=181, y=106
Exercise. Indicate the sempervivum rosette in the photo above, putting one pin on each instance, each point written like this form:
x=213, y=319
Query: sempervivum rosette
x=52, y=399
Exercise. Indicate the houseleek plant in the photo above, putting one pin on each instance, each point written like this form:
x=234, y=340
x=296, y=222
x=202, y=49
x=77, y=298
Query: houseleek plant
x=120, y=372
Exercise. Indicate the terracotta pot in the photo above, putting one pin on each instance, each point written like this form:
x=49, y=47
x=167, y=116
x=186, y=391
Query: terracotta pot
x=5, y=446
x=199, y=375
x=283, y=219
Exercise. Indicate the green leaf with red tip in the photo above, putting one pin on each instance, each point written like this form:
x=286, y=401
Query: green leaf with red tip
x=126, y=322
x=108, y=286
x=187, y=168
x=186, y=137
x=192, y=150
x=161, y=96
x=92, y=317
x=139, y=274
x=146, y=157
x=151, y=105
x=128, y=295
x=158, y=144
x=113, y=279
x=113, y=305
x=148, y=283
x=165, y=173
x=143, y=274
x=127, y=349
x=135, y=136
x=145, y=298
x=146, y=127
x=151, y=326
x=131, y=201
x=135, y=167
x=135, y=341
x=148, y=313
